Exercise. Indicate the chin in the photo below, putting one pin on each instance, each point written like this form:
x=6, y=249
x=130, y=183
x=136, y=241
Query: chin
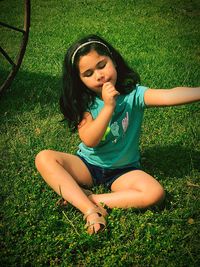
x=96, y=90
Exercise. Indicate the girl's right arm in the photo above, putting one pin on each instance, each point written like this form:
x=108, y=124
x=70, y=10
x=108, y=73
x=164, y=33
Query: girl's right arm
x=91, y=131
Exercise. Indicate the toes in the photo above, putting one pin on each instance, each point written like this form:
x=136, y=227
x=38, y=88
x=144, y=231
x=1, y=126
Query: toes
x=91, y=225
x=93, y=229
x=61, y=202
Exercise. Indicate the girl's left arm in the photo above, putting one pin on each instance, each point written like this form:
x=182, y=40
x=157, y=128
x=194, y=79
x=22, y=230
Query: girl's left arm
x=171, y=97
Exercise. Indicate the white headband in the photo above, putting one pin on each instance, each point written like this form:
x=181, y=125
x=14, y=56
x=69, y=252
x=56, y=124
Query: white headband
x=90, y=42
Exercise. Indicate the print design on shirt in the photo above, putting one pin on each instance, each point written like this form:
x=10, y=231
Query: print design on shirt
x=125, y=123
x=114, y=129
x=106, y=133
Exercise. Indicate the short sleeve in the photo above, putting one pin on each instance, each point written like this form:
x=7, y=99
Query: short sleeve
x=96, y=107
x=139, y=96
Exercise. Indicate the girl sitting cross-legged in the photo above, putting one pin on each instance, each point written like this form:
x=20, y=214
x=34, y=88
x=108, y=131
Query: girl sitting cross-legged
x=103, y=100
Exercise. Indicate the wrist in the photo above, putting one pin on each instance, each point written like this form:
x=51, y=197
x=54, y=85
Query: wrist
x=109, y=108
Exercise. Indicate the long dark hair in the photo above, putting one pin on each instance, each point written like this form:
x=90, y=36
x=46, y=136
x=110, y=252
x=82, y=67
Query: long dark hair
x=76, y=97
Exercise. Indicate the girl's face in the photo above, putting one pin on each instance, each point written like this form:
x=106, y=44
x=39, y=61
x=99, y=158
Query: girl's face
x=95, y=70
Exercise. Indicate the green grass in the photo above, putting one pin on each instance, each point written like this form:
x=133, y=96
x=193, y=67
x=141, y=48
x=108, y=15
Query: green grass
x=160, y=39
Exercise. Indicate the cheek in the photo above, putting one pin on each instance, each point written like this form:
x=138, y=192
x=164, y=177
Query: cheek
x=86, y=82
x=112, y=70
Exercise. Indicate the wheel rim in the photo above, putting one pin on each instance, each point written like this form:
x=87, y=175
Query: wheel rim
x=15, y=64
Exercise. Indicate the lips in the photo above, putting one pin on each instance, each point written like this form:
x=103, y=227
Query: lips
x=102, y=82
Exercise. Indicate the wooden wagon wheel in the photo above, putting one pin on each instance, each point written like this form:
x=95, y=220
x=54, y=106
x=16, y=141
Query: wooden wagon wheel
x=15, y=63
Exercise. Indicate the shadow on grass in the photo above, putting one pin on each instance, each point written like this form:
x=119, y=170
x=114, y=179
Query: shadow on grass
x=170, y=161
x=29, y=89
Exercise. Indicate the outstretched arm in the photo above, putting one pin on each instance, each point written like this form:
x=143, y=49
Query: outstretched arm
x=92, y=130
x=171, y=97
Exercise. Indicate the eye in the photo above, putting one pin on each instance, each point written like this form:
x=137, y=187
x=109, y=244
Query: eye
x=101, y=64
x=88, y=73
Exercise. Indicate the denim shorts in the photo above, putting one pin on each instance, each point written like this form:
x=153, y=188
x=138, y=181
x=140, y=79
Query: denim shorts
x=106, y=176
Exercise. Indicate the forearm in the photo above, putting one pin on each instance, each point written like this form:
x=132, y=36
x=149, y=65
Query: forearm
x=171, y=97
x=182, y=95
x=95, y=130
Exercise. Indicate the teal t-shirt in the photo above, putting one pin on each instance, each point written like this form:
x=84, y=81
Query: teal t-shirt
x=119, y=146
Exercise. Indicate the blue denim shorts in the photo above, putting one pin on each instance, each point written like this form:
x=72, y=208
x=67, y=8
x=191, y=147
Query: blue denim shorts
x=105, y=176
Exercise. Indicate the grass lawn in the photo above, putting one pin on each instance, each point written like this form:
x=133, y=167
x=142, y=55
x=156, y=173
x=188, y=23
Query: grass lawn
x=160, y=39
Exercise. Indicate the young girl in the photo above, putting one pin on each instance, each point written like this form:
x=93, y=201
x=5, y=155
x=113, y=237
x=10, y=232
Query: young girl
x=103, y=100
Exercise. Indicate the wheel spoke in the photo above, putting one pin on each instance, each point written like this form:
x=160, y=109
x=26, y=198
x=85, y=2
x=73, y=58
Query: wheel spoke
x=11, y=27
x=22, y=48
x=7, y=56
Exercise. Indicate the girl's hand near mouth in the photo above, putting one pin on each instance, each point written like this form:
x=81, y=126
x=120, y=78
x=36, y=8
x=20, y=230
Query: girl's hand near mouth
x=109, y=94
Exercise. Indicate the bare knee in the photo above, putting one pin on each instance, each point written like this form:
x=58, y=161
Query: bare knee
x=156, y=196
x=43, y=158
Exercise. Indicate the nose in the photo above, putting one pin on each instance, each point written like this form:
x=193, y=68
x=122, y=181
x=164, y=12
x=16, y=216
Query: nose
x=99, y=75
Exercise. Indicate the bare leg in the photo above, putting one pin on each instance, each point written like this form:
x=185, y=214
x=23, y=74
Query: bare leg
x=64, y=173
x=134, y=189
